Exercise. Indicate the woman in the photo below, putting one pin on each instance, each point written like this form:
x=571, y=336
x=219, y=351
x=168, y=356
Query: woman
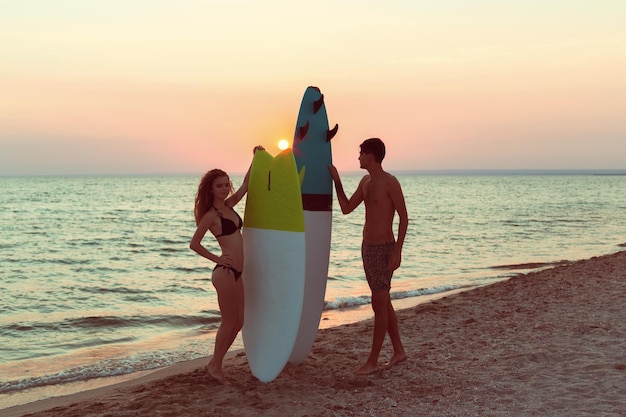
x=214, y=212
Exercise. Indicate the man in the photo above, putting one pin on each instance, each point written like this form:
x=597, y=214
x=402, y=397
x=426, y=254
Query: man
x=380, y=251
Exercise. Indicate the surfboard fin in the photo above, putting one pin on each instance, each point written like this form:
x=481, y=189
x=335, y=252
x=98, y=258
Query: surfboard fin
x=303, y=130
x=301, y=174
x=317, y=104
x=332, y=132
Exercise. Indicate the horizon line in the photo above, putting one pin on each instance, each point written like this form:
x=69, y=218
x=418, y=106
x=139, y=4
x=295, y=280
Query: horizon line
x=452, y=171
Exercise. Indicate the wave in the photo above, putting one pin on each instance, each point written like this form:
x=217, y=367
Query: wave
x=86, y=324
x=355, y=301
x=114, y=290
x=105, y=368
x=531, y=265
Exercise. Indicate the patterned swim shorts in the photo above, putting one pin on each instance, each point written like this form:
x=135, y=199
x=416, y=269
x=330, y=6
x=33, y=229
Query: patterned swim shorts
x=376, y=264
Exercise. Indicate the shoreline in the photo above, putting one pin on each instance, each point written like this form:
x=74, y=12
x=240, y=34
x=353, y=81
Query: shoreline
x=550, y=342
x=56, y=393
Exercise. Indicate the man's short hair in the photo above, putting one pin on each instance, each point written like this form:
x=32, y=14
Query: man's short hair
x=374, y=146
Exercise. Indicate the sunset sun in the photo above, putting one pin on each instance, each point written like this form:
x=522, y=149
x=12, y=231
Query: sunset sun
x=283, y=144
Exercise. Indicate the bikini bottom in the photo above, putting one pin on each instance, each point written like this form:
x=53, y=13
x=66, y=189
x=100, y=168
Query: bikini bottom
x=235, y=272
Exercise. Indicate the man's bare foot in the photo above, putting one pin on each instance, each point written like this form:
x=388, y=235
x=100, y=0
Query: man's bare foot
x=367, y=369
x=396, y=359
x=216, y=374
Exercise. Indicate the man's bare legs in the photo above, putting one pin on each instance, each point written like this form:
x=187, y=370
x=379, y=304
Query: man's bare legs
x=230, y=299
x=399, y=354
x=381, y=322
x=385, y=320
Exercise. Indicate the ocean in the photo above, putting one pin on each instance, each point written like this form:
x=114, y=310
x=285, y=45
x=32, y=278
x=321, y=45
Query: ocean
x=97, y=279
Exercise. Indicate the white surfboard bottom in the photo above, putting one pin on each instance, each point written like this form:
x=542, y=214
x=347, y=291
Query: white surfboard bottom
x=273, y=275
x=317, y=225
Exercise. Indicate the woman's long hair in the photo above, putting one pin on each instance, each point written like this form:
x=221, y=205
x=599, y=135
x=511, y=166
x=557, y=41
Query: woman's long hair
x=204, y=197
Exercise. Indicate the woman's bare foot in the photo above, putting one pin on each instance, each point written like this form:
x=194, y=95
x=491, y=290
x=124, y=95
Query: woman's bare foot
x=216, y=374
x=396, y=359
x=367, y=369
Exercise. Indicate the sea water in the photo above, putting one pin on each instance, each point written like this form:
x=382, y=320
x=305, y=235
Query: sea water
x=97, y=278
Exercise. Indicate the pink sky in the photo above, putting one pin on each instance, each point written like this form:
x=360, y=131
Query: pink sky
x=182, y=87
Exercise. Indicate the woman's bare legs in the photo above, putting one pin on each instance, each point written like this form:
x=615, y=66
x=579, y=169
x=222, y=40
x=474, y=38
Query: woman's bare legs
x=230, y=299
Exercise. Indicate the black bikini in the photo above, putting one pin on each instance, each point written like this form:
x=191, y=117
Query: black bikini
x=228, y=228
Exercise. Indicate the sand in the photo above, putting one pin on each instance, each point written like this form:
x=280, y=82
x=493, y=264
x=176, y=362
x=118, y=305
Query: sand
x=549, y=343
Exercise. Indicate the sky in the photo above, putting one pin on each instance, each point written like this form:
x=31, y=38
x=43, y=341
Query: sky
x=183, y=86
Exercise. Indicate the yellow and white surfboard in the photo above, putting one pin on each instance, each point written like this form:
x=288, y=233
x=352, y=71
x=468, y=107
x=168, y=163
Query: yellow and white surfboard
x=274, y=263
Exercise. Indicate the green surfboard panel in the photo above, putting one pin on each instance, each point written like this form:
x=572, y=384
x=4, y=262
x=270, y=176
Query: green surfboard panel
x=274, y=198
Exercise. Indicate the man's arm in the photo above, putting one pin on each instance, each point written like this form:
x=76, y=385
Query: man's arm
x=347, y=206
x=399, y=204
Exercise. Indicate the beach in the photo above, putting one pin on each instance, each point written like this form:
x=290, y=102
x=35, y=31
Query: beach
x=100, y=286
x=551, y=342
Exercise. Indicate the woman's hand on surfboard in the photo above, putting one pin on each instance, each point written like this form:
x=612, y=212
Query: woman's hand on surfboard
x=258, y=148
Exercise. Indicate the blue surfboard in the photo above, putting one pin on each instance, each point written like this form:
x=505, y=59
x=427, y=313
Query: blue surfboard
x=313, y=153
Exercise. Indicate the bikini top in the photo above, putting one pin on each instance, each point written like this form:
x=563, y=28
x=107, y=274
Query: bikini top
x=228, y=226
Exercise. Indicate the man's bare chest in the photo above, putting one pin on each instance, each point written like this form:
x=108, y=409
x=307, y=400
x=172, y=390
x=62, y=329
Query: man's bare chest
x=375, y=192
